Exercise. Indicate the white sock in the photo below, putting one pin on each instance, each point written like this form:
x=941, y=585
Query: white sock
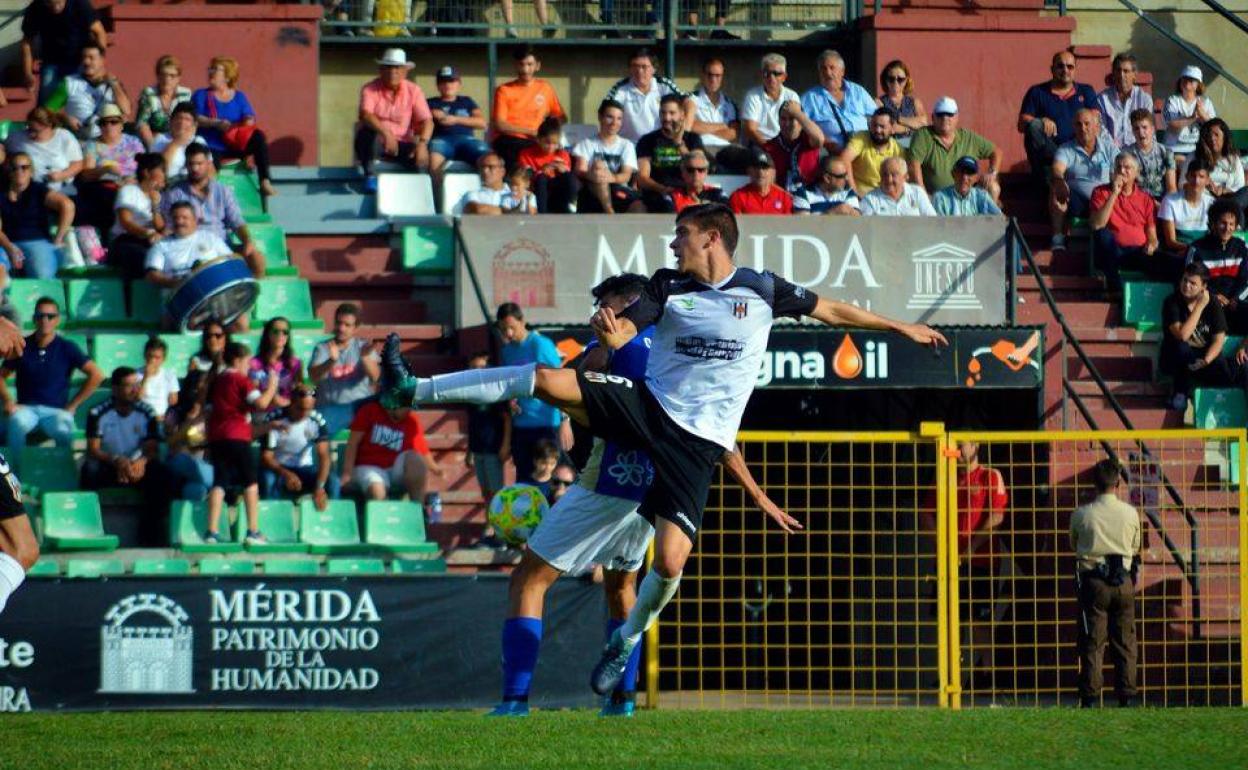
x=478, y=386
x=11, y=576
x=652, y=596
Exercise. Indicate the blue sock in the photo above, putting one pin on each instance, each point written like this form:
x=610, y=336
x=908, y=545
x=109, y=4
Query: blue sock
x=628, y=683
x=522, y=639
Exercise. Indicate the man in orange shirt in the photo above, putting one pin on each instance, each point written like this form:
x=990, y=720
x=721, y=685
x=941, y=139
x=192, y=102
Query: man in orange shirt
x=395, y=121
x=521, y=105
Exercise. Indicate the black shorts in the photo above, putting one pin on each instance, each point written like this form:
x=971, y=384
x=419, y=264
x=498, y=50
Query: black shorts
x=233, y=467
x=10, y=493
x=624, y=411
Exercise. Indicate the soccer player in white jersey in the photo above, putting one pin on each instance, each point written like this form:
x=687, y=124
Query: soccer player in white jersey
x=19, y=550
x=712, y=320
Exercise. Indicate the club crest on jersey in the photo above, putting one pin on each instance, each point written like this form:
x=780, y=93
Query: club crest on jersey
x=740, y=309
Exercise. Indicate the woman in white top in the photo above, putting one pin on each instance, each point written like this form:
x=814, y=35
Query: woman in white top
x=56, y=154
x=1186, y=110
x=139, y=223
x=1226, y=171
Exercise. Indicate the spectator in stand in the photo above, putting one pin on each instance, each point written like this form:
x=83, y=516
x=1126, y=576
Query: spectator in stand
x=456, y=119
x=1226, y=256
x=227, y=121
x=642, y=95
x=762, y=195
x=659, y=153
x=521, y=105
x=489, y=438
x=935, y=149
x=1121, y=98
x=964, y=198
x=760, y=109
x=158, y=384
x=296, y=459
x=234, y=398
x=716, y=119
x=1195, y=333
x=795, y=150
x=123, y=450
x=215, y=205
x=1157, y=173
x=157, y=102
x=539, y=6
x=897, y=95
x=1186, y=110
x=345, y=368
x=276, y=358
x=186, y=458
x=545, y=460
x=43, y=373
x=518, y=199
x=554, y=184
x=1184, y=213
x=24, y=222
x=387, y=450
x=488, y=198
x=62, y=28
x=605, y=164
x=172, y=146
x=82, y=95
x=56, y=153
x=895, y=197
x=172, y=258
x=1047, y=118
x=830, y=194
x=838, y=106
x=693, y=190
x=868, y=149
x=1124, y=218
x=532, y=420
x=1080, y=166
x=138, y=223
x=109, y=162
x=1216, y=151
x=395, y=121
x=560, y=481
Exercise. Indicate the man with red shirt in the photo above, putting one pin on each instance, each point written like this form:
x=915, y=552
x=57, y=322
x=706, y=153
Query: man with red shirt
x=795, y=150
x=761, y=195
x=554, y=184
x=387, y=447
x=1124, y=217
x=694, y=190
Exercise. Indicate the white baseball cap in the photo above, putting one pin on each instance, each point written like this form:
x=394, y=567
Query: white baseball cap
x=946, y=105
x=1193, y=73
x=394, y=57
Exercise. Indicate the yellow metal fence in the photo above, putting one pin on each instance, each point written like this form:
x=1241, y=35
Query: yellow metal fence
x=904, y=590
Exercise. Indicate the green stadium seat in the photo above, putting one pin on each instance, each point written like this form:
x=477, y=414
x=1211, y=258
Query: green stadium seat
x=9, y=128
x=334, y=530
x=72, y=521
x=243, y=183
x=157, y=567
x=114, y=350
x=416, y=566
x=250, y=339
x=355, y=567
x=94, y=568
x=292, y=567
x=1219, y=408
x=46, y=469
x=279, y=521
x=187, y=523
x=271, y=241
x=1234, y=463
x=180, y=349
x=223, y=566
x=429, y=250
x=147, y=304
x=304, y=343
x=287, y=297
x=96, y=302
x=1141, y=303
x=397, y=526
x=24, y=292
x=44, y=568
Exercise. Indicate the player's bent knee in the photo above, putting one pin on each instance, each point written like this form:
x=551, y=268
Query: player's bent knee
x=27, y=554
x=557, y=386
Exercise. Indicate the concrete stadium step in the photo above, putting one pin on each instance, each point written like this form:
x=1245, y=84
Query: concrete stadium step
x=1064, y=288
x=1071, y=261
x=1130, y=394
x=1111, y=367
x=350, y=258
x=1141, y=419
x=376, y=308
x=1091, y=313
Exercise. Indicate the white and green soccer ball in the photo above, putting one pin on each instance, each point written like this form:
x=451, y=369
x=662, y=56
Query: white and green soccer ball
x=516, y=511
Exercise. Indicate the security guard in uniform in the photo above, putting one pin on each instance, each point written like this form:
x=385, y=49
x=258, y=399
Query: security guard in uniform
x=1105, y=535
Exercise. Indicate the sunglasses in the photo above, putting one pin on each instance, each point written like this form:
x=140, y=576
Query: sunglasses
x=560, y=483
x=895, y=79
x=697, y=169
x=111, y=122
x=946, y=114
x=22, y=167
x=837, y=176
x=215, y=335
x=280, y=331
x=47, y=316
x=1061, y=66
x=773, y=73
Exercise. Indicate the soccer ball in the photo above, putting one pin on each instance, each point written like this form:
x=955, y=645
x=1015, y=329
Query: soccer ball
x=516, y=511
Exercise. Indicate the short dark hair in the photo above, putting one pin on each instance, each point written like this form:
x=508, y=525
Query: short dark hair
x=183, y=205
x=1196, y=269
x=509, y=310
x=607, y=104
x=1197, y=163
x=46, y=300
x=184, y=108
x=479, y=354
x=194, y=150
x=1141, y=114
x=155, y=343
x=1221, y=208
x=549, y=126
x=643, y=53
x=672, y=99
x=235, y=351
x=545, y=449
x=347, y=308
x=882, y=111
x=1122, y=58
x=713, y=216
x=147, y=162
x=619, y=285
x=1105, y=475
x=522, y=52
x=120, y=374
x=708, y=61
x=96, y=46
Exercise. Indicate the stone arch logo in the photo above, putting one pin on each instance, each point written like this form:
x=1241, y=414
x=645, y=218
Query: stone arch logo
x=146, y=659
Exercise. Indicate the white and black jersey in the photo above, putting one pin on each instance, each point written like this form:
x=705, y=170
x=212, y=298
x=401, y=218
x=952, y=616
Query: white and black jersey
x=709, y=343
x=641, y=109
x=122, y=435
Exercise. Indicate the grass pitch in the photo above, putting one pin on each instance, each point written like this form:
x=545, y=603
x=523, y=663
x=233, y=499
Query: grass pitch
x=554, y=740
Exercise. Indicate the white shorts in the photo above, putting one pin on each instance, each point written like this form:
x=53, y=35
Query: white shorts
x=364, y=475
x=586, y=528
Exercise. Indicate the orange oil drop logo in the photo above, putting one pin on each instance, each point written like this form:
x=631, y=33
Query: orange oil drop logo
x=847, y=363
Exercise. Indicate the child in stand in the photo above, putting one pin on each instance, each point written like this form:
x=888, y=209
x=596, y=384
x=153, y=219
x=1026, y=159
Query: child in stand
x=554, y=184
x=518, y=199
x=158, y=383
x=545, y=460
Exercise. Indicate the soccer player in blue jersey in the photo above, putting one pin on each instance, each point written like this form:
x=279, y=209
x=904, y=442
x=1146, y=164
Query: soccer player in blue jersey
x=712, y=320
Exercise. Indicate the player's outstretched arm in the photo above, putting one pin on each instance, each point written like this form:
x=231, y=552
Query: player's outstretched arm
x=11, y=340
x=734, y=463
x=844, y=314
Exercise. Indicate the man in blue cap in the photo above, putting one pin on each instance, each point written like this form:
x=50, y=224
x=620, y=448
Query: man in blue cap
x=963, y=198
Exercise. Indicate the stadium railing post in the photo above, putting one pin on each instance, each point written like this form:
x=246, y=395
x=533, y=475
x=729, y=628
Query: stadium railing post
x=936, y=430
x=947, y=536
x=652, y=650
x=1242, y=440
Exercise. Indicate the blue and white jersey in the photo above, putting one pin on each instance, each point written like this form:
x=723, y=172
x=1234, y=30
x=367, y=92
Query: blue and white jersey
x=709, y=343
x=614, y=470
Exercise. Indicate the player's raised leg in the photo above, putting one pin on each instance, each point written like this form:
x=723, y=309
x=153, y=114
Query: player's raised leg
x=522, y=632
x=19, y=549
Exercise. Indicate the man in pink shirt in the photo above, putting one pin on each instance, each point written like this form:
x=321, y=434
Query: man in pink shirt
x=395, y=121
